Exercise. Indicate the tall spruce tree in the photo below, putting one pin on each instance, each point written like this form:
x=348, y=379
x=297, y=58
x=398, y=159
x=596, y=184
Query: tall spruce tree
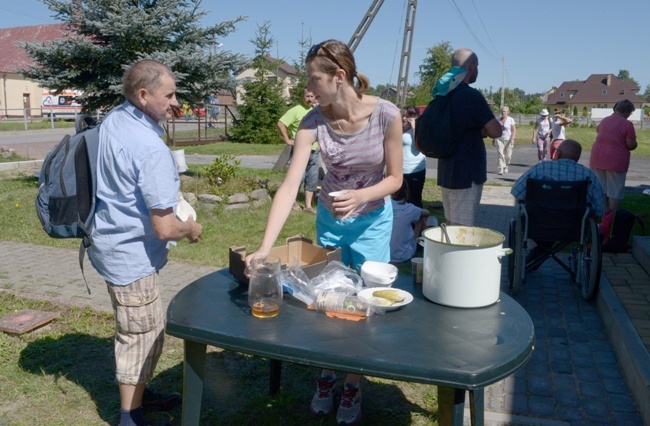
x=262, y=102
x=104, y=37
x=296, y=92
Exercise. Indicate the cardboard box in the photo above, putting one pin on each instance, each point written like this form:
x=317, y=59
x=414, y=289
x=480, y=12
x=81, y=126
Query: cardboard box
x=313, y=258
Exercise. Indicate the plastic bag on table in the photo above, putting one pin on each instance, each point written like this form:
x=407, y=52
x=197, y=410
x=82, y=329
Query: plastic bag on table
x=342, y=303
x=297, y=283
x=339, y=278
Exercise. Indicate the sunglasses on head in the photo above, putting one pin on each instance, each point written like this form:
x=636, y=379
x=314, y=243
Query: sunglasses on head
x=313, y=52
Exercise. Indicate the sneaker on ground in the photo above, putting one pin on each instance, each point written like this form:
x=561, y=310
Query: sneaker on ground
x=349, y=412
x=500, y=172
x=154, y=401
x=323, y=401
x=505, y=170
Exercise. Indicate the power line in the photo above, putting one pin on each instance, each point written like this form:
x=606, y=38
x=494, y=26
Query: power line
x=26, y=14
x=485, y=29
x=469, y=28
x=399, y=30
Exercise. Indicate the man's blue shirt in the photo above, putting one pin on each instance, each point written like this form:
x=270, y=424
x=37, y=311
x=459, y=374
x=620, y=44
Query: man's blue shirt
x=135, y=173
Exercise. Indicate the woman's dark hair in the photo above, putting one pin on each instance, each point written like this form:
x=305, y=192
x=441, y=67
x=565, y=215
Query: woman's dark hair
x=624, y=106
x=410, y=111
x=403, y=193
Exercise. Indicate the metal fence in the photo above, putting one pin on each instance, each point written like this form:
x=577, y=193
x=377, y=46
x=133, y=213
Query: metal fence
x=579, y=119
x=29, y=116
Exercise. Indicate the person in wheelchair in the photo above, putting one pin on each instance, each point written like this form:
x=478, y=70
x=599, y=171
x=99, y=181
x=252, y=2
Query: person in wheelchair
x=564, y=167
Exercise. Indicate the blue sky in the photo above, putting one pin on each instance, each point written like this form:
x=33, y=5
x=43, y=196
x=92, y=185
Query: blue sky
x=543, y=43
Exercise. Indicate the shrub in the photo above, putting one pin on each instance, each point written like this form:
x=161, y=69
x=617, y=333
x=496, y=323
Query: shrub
x=222, y=169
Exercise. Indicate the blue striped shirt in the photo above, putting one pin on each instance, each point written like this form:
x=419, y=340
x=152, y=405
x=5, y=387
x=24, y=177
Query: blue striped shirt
x=568, y=170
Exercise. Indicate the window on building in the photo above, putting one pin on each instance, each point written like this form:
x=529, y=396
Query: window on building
x=621, y=92
x=604, y=91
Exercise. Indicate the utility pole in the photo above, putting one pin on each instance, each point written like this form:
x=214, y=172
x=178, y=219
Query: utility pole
x=402, y=83
x=503, y=79
x=405, y=59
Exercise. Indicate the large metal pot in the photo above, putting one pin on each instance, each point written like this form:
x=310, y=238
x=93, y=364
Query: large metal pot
x=466, y=271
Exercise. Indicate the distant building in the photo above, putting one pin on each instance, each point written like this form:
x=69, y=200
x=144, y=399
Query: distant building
x=597, y=91
x=16, y=92
x=284, y=72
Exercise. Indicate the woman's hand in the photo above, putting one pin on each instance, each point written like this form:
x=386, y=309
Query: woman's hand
x=343, y=205
x=249, y=259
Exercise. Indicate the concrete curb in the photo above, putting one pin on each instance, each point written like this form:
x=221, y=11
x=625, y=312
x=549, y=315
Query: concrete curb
x=21, y=165
x=630, y=351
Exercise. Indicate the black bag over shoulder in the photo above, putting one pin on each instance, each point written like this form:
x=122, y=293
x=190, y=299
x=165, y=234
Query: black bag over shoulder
x=67, y=186
x=434, y=131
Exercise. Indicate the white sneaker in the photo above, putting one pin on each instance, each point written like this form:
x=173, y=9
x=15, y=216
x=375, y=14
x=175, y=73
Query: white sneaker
x=500, y=172
x=505, y=170
x=349, y=412
x=323, y=401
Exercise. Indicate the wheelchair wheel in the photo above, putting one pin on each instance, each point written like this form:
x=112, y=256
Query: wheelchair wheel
x=591, y=261
x=517, y=257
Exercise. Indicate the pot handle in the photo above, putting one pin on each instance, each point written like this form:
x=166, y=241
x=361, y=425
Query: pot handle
x=420, y=241
x=504, y=252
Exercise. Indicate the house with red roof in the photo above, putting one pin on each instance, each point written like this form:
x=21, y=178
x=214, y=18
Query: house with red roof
x=16, y=92
x=597, y=91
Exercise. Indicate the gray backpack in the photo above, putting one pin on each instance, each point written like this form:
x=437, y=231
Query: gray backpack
x=67, y=186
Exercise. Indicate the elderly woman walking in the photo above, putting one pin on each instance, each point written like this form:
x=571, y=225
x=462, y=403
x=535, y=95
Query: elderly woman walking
x=559, y=121
x=542, y=134
x=506, y=141
x=610, y=155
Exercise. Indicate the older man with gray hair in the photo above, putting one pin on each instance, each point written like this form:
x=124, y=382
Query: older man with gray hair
x=137, y=195
x=462, y=175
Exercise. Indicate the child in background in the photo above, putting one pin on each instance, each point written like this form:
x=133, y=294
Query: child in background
x=187, y=111
x=408, y=223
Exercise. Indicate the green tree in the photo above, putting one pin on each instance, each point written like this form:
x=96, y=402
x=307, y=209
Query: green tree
x=435, y=65
x=295, y=93
x=262, y=103
x=106, y=36
x=624, y=75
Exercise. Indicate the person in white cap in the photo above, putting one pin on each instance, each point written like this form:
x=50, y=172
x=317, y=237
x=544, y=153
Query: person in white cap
x=542, y=134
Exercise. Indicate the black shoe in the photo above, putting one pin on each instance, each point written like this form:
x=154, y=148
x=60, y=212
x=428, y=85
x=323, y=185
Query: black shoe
x=154, y=401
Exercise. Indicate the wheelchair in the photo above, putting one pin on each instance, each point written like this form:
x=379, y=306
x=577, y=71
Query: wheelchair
x=556, y=216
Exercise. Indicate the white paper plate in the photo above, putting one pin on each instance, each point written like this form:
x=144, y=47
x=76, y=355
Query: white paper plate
x=184, y=210
x=366, y=294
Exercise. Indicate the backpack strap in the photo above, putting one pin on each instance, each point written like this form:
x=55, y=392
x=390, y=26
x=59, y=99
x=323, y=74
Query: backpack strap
x=82, y=253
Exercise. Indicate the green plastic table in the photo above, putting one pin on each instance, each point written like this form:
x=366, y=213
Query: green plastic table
x=455, y=349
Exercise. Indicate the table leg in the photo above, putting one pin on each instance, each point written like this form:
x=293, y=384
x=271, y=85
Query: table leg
x=275, y=371
x=477, y=407
x=451, y=405
x=193, y=374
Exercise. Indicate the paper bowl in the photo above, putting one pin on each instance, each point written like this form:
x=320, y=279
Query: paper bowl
x=378, y=274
